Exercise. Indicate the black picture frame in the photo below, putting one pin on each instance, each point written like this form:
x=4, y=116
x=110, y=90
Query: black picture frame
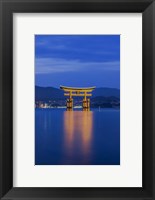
x=7, y=8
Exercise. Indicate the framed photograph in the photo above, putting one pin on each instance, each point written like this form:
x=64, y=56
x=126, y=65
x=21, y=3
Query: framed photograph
x=83, y=140
x=77, y=99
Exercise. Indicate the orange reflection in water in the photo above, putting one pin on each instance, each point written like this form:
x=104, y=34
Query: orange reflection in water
x=78, y=126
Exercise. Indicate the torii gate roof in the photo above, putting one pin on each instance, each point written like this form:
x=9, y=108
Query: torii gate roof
x=77, y=88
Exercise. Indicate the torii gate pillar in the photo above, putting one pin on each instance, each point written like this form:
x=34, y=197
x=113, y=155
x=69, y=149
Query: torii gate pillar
x=86, y=102
x=70, y=103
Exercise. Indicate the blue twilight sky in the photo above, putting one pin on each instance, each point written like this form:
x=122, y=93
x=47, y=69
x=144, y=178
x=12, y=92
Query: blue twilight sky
x=77, y=60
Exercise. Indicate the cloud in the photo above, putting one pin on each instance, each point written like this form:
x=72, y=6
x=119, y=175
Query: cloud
x=41, y=43
x=48, y=45
x=59, y=65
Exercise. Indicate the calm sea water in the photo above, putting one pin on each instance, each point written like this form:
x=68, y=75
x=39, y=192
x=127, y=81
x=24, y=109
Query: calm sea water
x=77, y=137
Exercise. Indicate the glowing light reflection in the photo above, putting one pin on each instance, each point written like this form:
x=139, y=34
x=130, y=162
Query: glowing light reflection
x=78, y=126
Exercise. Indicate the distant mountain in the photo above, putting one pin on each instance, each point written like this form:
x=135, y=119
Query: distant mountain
x=105, y=99
x=106, y=92
x=51, y=93
x=105, y=102
x=48, y=93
